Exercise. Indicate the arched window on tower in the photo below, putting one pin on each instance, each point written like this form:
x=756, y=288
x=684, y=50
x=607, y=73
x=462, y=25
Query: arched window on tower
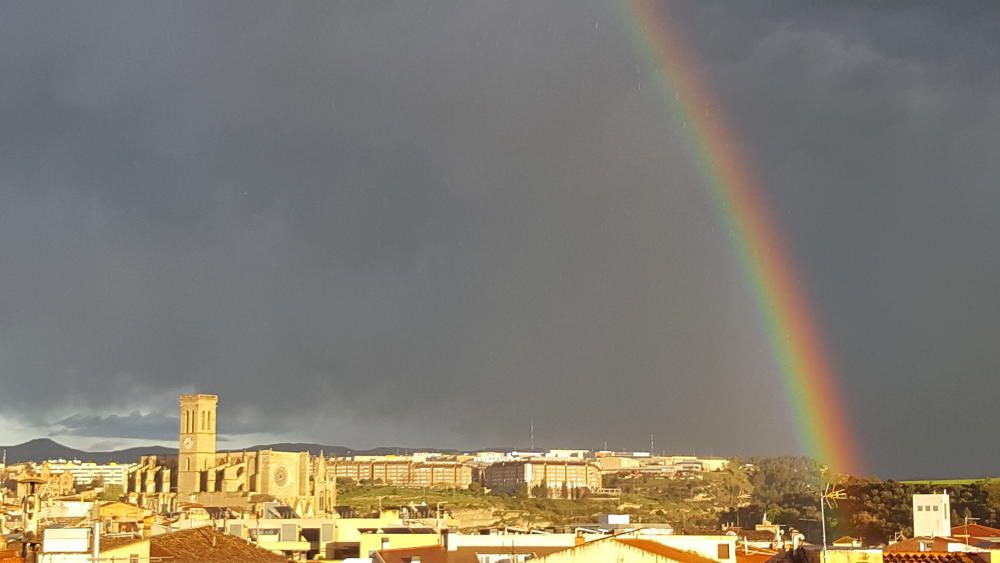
x=187, y=464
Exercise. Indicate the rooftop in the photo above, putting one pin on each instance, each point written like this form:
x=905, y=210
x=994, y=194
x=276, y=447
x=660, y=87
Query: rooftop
x=206, y=544
x=666, y=551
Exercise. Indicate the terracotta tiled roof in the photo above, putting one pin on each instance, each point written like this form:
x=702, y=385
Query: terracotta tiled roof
x=976, y=531
x=108, y=543
x=908, y=545
x=206, y=544
x=750, y=535
x=932, y=557
x=755, y=555
x=670, y=552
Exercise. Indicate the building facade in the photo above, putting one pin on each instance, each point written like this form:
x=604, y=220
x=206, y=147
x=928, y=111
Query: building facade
x=199, y=473
x=405, y=473
x=931, y=515
x=562, y=477
x=85, y=473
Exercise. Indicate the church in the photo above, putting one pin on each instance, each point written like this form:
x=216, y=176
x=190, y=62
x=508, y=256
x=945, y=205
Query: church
x=201, y=474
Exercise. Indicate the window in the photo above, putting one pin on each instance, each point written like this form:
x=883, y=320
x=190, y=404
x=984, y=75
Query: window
x=935, y=509
x=920, y=508
x=134, y=558
x=723, y=551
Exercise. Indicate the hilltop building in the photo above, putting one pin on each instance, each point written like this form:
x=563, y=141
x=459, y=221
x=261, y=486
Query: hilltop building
x=86, y=472
x=563, y=477
x=450, y=473
x=201, y=474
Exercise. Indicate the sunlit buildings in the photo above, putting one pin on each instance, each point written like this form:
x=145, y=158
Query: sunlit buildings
x=202, y=474
x=931, y=515
x=563, y=477
x=85, y=472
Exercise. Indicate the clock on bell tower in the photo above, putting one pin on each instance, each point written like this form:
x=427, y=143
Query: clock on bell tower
x=197, y=441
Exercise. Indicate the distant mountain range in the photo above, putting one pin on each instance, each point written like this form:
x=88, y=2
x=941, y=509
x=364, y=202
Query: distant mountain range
x=41, y=449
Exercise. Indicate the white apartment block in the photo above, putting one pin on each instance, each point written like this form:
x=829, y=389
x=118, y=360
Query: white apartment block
x=86, y=472
x=931, y=515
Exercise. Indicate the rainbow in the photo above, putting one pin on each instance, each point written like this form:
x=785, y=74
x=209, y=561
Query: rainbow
x=809, y=380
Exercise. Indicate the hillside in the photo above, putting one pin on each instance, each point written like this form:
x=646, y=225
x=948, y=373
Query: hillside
x=41, y=449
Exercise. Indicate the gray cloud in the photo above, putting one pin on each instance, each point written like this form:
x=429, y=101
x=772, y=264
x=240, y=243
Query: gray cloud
x=415, y=223
x=148, y=426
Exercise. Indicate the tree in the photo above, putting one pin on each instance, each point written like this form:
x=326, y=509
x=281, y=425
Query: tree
x=540, y=490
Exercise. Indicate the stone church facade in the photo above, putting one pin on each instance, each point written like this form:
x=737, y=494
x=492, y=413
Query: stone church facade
x=201, y=474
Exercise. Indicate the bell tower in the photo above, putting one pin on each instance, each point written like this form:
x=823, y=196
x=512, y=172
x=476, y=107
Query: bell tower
x=196, y=452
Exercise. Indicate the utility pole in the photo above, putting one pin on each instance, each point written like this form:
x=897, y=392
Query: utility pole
x=532, y=435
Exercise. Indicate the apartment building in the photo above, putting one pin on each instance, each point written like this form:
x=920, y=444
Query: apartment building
x=563, y=477
x=405, y=472
x=86, y=472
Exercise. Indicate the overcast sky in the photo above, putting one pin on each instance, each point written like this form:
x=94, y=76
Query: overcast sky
x=429, y=223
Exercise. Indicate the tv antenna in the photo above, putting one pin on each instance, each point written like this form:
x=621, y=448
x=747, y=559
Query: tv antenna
x=829, y=496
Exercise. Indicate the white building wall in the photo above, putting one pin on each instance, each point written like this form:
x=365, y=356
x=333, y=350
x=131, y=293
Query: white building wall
x=931, y=515
x=86, y=472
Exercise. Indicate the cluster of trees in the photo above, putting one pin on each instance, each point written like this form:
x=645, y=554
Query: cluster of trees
x=787, y=489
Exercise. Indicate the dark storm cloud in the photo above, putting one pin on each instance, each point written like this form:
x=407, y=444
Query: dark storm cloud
x=151, y=426
x=411, y=222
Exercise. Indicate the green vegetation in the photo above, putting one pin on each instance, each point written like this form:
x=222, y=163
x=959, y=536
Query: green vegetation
x=947, y=482
x=785, y=488
x=111, y=492
x=692, y=504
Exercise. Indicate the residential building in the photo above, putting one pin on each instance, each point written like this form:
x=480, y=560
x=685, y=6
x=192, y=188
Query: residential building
x=405, y=472
x=388, y=537
x=633, y=550
x=612, y=463
x=571, y=454
x=931, y=515
x=564, y=477
x=81, y=545
x=490, y=457
x=86, y=472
